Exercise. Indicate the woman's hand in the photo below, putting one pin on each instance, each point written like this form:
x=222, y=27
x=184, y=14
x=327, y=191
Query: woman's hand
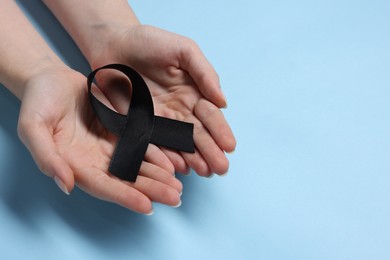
x=184, y=86
x=68, y=143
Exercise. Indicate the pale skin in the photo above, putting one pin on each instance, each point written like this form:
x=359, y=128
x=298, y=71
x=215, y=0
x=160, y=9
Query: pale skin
x=58, y=126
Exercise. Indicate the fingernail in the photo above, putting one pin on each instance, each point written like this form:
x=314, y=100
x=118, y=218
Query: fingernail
x=223, y=175
x=181, y=193
x=178, y=205
x=224, y=98
x=61, y=185
x=150, y=213
x=231, y=152
x=210, y=176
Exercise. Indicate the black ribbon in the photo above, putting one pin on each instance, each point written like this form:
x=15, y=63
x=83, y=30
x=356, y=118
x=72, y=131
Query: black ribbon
x=139, y=127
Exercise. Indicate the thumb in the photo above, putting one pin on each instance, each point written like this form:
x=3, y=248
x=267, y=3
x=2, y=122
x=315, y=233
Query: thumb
x=203, y=73
x=39, y=141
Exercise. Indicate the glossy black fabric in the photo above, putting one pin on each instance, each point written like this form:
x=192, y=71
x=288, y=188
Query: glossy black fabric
x=139, y=127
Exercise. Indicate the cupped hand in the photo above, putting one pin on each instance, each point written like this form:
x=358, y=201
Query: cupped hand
x=68, y=144
x=184, y=86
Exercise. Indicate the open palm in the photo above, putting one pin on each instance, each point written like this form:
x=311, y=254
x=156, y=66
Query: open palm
x=58, y=126
x=184, y=86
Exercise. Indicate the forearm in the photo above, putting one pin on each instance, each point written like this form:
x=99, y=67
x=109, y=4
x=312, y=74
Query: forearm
x=23, y=53
x=91, y=23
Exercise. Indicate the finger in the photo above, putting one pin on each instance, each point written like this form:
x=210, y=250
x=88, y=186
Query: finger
x=213, y=119
x=105, y=187
x=177, y=160
x=204, y=75
x=197, y=162
x=210, y=151
x=154, y=155
x=158, y=174
x=39, y=140
x=157, y=191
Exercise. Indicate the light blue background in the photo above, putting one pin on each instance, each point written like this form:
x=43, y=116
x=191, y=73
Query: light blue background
x=308, y=89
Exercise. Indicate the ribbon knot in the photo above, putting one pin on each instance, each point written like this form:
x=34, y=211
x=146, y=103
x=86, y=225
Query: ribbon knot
x=139, y=127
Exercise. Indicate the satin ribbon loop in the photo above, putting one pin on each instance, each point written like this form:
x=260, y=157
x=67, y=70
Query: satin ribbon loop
x=139, y=127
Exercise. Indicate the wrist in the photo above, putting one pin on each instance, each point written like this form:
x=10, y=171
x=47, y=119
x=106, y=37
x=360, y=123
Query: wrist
x=42, y=66
x=93, y=23
x=106, y=45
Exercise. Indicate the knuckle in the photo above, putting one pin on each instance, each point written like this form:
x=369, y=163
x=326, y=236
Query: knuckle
x=189, y=46
x=94, y=187
x=198, y=129
x=202, y=168
x=205, y=109
x=122, y=197
x=190, y=42
x=168, y=167
x=170, y=195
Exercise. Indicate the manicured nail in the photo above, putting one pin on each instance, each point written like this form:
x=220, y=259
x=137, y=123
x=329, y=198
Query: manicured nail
x=224, y=98
x=181, y=193
x=150, y=213
x=178, y=205
x=61, y=185
x=223, y=175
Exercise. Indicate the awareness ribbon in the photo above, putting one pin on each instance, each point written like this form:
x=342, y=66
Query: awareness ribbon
x=139, y=127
